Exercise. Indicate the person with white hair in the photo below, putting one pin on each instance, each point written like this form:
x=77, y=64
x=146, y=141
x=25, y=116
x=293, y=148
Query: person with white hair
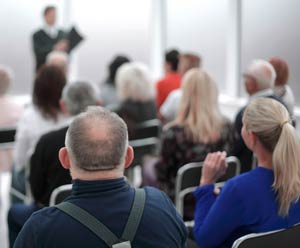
x=259, y=79
x=58, y=58
x=10, y=111
x=136, y=93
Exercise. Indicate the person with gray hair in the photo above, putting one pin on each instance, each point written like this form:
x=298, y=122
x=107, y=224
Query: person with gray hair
x=10, y=112
x=259, y=79
x=46, y=172
x=60, y=59
x=136, y=93
x=96, y=153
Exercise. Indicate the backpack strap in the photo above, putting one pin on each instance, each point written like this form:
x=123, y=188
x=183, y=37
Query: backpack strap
x=135, y=216
x=100, y=229
x=89, y=221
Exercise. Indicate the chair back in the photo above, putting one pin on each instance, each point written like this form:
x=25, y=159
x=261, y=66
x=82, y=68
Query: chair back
x=59, y=194
x=188, y=179
x=283, y=238
x=7, y=137
x=147, y=129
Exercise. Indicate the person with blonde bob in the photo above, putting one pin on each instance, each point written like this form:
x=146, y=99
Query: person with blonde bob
x=264, y=199
x=199, y=128
x=136, y=94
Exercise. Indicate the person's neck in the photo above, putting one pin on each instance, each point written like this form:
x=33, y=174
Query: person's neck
x=264, y=159
x=96, y=175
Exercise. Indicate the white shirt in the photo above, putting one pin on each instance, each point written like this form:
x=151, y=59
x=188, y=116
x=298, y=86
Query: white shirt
x=169, y=108
x=30, y=128
x=52, y=31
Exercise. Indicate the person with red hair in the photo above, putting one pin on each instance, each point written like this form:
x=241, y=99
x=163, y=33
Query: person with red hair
x=281, y=88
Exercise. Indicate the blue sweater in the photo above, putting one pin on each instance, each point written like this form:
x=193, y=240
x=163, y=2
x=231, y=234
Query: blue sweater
x=246, y=204
x=110, y=201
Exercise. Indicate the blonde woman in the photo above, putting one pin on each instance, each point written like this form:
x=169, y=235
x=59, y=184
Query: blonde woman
x=264, y=199
x=199, y=128
x=136, y=94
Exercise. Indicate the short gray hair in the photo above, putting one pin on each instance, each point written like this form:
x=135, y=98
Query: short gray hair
x=6, y=76
x=97, y=140
x=58, y=58
x=263, y=73
x=134, y=82
x=78, y=96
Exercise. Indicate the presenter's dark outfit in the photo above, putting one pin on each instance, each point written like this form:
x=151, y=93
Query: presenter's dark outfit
x=43, y=44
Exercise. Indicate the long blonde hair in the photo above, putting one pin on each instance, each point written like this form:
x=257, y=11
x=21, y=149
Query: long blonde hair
x=198, y=110
x=271, y=123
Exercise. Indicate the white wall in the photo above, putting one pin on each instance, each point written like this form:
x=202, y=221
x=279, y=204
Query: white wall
x=110, y=27
x=271, y=28
x=200, y=26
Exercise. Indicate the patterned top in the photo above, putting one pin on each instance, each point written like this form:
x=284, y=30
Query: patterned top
x=177, y=151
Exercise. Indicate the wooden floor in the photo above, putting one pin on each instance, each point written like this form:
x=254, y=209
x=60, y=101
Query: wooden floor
x=5, y=178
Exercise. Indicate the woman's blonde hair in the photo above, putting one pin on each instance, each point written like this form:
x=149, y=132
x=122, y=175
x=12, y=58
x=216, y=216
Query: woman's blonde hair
x=134, y=82
x=270, y=122
x=198, y=110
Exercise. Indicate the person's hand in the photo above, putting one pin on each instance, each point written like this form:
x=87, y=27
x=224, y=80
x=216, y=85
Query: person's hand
x=214, y=167
x=62, y=45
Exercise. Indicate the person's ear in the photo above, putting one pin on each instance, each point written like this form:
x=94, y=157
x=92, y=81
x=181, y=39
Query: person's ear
x=252, y=139
x=63, y=107
x=129, y=156
x=64, y=158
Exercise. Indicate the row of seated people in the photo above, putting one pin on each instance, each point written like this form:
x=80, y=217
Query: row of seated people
x=184, y=130
x=97, y=152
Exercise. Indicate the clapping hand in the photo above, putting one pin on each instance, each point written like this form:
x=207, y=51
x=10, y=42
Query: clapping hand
x=214, y=167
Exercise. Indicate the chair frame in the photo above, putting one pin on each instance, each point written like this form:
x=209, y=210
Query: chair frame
x=180, y=194
x=57, y=191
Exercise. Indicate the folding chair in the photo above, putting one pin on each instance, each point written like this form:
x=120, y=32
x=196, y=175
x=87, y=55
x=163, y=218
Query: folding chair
x=7, y=137
x=7, y=141
x=188, y=178
x=148, y=129
x=59, y=194
x=141, y=147
x=283, y=238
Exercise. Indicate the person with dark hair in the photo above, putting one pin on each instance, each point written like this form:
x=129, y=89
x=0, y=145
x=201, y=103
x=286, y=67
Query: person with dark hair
x=281, y=88
x=41, y=117
x=48, y=38
x=46, y=172
x=172, y=79
x=97, y=152
x=108, y=88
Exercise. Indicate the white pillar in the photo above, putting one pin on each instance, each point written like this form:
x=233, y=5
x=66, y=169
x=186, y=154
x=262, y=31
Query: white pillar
x=158, y=37
x=233, y=65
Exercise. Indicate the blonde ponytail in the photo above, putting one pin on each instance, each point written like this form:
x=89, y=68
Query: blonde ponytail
x=270, y=121
x=286, y=164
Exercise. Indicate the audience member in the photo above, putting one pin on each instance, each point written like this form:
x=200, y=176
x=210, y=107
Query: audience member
x=136, y=94
x=46, y=172
x=108, y=88
x=259, y=80
x=96, y=153
x=10, y=112
x=264, y=199
x=281, y=88
x=41, y=117
x=60, y=59
x=169, y=107
x=171, y=80
x=199, y=128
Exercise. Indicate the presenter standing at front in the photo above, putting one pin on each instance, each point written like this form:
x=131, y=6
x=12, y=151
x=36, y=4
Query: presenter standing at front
x=48, y=38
